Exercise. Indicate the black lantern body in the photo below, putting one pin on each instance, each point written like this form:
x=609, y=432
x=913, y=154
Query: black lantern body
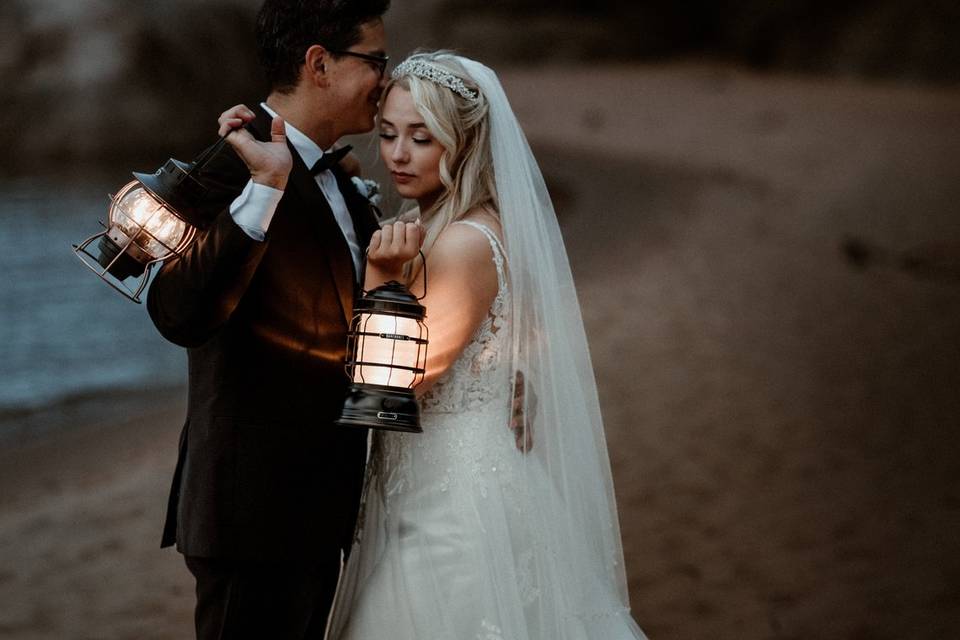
x=386, y=351
x=150, y=219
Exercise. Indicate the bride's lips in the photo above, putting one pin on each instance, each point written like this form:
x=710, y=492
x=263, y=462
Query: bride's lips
x=401, y=178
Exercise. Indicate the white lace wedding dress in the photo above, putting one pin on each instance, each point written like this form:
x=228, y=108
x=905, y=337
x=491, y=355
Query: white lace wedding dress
x=449, y=544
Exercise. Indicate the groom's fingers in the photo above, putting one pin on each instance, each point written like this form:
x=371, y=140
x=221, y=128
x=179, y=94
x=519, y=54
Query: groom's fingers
x=278, y=132
x=228, y=125
x=234, y=117
x=240, y=140
x=238, y=111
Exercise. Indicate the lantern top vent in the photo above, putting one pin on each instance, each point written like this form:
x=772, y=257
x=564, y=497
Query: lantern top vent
x=391, y=297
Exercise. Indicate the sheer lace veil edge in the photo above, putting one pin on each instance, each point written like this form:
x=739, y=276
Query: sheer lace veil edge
x=549, y=346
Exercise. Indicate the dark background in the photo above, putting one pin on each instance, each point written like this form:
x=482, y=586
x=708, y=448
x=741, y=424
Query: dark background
x=759, y=201
x=104, y=81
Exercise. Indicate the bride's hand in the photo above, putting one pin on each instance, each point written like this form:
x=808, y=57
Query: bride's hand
x=395, y=244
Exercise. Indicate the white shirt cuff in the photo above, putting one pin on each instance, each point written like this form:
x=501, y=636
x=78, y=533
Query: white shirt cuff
x=254, y=208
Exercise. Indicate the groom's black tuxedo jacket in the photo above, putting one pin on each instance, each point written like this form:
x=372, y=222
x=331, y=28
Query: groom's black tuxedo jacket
x=263, y=473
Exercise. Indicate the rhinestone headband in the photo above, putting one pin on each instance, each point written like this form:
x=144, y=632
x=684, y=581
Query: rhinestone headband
x=427, y=71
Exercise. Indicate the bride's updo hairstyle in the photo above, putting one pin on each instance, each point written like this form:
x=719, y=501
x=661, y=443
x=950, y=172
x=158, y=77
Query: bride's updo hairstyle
x=455, y=112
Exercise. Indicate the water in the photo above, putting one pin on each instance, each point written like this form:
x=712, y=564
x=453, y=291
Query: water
x=63, y=332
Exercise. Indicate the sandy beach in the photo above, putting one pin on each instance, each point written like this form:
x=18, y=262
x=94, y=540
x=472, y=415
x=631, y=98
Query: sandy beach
x=79, y=517
x=781, y=421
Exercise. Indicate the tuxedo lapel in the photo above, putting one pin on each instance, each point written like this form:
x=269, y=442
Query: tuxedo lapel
x=365, y=220
x=302, y=185
x=365, y=216
x=318, y=211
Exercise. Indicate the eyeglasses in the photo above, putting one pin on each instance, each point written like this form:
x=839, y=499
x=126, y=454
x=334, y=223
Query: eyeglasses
x=379, y=61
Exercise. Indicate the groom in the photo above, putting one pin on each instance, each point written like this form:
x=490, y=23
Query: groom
x=266, y=488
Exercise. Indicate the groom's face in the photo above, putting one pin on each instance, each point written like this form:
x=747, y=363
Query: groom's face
x=357, y=82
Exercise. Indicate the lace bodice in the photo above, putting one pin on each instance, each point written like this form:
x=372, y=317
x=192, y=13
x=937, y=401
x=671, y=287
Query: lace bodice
x=456, y=411
x=443, y=506
x=476, y=378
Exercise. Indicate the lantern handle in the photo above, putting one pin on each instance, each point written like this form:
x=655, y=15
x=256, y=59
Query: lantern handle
x=201, y=161
x=424, y=258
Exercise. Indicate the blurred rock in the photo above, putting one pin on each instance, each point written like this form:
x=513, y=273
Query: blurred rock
x=880, y=38
x=104, y=82
x=131, y=83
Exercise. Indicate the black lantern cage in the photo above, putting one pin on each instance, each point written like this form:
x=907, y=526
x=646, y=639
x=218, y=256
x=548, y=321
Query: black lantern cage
x=151, y=219
x=141, y=232
x=386, y=360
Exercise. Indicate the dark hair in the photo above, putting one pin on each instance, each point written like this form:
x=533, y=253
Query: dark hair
x=287, y=28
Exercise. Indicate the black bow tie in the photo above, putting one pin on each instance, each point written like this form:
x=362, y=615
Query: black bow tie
x=329, y=160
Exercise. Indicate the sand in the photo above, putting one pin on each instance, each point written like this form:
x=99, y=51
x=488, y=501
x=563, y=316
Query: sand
x=80, y=516
x=781, y=423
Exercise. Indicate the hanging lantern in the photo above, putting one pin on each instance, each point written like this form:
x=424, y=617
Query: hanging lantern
x=151, y=219
x=387, y=352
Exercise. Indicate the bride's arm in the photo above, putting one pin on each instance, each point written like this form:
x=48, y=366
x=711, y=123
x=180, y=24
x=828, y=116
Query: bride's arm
x=461, y=286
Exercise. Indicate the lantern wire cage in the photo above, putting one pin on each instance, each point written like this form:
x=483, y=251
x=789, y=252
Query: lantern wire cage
x=134, y=239
x=387, y=345
x=362, y=334
x=357, y=337
x=140, y=231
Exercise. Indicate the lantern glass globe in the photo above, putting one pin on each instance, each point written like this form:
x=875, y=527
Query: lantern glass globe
x=385, y=344
x=151, y=226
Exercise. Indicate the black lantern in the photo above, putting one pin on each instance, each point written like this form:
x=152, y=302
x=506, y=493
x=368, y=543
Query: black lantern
x=152, y=218
x=387, y=352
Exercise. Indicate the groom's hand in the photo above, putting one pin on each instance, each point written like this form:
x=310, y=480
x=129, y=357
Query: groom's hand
x=269, y=162
x=524, y=412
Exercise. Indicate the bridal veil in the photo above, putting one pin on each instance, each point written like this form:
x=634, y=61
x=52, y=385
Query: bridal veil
x=547, y=544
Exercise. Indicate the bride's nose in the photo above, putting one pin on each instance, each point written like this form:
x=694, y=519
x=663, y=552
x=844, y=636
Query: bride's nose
x=398, y=153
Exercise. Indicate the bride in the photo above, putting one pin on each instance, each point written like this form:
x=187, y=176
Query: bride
x=498, y=522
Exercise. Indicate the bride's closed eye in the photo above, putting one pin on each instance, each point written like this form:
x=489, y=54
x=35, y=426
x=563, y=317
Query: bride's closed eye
x=392, y=136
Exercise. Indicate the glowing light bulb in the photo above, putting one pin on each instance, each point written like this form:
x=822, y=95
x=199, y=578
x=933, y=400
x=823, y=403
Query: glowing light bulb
x=153, y=227
x=388, y=346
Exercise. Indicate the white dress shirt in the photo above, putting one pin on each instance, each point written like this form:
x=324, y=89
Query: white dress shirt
x=254, y=207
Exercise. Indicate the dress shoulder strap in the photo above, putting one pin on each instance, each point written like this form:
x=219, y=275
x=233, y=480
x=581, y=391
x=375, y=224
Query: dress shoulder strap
x=499, y=255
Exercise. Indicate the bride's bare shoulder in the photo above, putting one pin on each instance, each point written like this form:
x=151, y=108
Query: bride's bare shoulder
x=466, y=245
x=486, y=216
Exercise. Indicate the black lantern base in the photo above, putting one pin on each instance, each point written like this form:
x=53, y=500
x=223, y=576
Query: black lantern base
x=374, y=406
x=118, y=263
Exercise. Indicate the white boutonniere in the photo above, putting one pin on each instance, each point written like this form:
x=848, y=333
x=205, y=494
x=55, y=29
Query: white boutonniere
x=369, y=189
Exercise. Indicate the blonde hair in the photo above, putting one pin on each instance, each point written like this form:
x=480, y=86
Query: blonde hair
x=461, y=126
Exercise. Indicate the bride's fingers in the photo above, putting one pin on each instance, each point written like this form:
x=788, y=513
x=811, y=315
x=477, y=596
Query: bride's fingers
x=386, y=235
x=399, y=233
x=374, y=242
x=411, y=239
